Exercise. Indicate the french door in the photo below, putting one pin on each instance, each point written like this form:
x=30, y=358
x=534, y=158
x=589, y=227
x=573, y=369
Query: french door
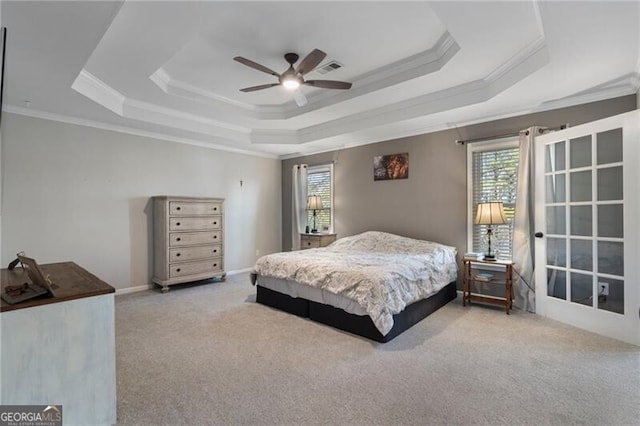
x=587, y=216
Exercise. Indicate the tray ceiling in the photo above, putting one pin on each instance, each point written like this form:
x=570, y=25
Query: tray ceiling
x=166, y=69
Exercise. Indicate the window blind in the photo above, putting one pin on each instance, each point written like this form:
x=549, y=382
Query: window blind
x=495, y=178
x=319, y=183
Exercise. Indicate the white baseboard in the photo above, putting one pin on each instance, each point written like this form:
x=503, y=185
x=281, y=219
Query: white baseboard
x=136, y=289
x=127, y=290
x=239, y=271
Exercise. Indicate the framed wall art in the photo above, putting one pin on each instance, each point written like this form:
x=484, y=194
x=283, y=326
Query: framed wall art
x=389, y=167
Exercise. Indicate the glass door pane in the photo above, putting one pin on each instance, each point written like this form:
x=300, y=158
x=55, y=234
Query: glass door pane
x=588, y=227
x=584, y=218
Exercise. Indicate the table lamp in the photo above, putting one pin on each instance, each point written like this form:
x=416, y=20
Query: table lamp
x=314, y=202
x=491, y=213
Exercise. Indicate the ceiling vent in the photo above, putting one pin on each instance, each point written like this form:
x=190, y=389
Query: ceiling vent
x=329, y=67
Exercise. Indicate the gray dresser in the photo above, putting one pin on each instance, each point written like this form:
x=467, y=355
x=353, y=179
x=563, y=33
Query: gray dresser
x=188, y=239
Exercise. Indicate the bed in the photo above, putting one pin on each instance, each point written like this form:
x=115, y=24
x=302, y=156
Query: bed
x=373, y=284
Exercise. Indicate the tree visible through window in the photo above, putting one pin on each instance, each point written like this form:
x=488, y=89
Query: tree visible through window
x=320, y=182
x=494, y=177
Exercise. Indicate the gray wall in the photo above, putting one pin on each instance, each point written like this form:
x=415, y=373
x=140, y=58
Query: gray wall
x=75, y=193
x=432, y=203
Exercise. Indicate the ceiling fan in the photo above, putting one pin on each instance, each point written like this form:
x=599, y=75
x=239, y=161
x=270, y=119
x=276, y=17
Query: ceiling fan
x=293, y=78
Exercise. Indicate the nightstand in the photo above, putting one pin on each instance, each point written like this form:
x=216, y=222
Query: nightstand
x=469, y=276
x=308, y=241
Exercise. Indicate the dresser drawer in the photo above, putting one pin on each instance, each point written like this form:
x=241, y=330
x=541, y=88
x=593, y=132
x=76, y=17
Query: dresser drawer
x=193, y=238
x=178, y=208
x=193, y=223
x=309, y=242
x=194, y=268
x=191, y=253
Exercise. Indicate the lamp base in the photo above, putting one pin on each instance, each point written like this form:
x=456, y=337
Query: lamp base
x=490, y=257
x=314, y=231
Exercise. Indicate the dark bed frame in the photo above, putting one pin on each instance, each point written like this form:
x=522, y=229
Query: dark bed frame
x=356, y=324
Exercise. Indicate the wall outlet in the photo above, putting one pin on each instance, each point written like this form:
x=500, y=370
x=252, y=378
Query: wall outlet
x=603, y=289
x=257, y=252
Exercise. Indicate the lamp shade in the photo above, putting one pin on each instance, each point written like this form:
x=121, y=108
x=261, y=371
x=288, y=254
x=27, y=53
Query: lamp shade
x=491, y=213
x=314, y=202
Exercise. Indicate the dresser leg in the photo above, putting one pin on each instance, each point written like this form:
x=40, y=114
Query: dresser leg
x=165, y=288
x=223, y=277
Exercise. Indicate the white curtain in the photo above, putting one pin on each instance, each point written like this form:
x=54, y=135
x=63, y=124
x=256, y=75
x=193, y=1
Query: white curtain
x=298, y=204
x=524, y=222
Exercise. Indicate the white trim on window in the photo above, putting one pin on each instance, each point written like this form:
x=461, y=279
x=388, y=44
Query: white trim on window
x=497, y=144
x=327, y=168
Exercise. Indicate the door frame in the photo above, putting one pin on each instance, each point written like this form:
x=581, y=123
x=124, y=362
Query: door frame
x=622, y=327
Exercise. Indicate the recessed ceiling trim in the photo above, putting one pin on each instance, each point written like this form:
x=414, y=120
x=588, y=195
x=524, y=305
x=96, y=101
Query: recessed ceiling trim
x=101, y=93
x=520, y=65
x=176, y=87
x=535, y=56
x=144, y=111
x=385, y=133
x=421, y=64
x=283, y=137
x=524, y=63
x=418, y=65
x=415, y=66
x=537, y=49
x=98, y=91
x=628, y=84
x=132, y=131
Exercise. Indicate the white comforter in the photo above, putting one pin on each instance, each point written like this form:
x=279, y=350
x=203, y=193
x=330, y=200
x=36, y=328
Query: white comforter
x=381, y=272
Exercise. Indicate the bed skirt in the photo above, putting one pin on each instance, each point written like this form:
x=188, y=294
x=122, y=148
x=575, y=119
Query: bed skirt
x=356, y=324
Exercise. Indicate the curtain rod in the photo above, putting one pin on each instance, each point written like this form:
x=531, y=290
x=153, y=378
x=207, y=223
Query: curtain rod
x=507, y=135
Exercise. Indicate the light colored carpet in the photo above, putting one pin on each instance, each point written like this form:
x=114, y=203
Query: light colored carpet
x=208, y=354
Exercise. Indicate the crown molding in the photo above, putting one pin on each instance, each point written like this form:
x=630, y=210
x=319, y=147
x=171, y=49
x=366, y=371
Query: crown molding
x=418, y=65
x=415, y=66
x=95, y=89
x=623, y=86
x=529, y=60
x=98, y=91
x=172, y=86
x=153, y=113
x=354, y=139
x=524, y=63
x=131, y=131
x=518, y=65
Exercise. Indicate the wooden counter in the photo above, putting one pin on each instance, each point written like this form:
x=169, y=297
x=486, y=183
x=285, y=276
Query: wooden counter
x=61, y=350
x=70, y=282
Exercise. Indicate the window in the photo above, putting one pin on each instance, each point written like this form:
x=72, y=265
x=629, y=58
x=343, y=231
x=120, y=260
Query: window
x=320, y=182
x=492, y=175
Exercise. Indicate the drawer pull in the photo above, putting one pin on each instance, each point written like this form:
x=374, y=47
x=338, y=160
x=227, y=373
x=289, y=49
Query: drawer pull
x=309, y=243
x=215, y=209
x=215, y=264
x=215, y=223
x=215, y=237
x=215, y=250
x=178, y=208
x=178, y=239
x=178, y=270
x=177, y=223
x=177, y=254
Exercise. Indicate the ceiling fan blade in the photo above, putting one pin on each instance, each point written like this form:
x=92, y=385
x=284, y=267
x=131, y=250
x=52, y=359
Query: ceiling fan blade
x=262, y=86
x=310, y=61
x=328, y=84
x=299, y=97
x=255, y=65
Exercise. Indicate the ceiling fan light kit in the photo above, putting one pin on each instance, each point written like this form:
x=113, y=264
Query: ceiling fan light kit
x=293, y=78
x=290, y=83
